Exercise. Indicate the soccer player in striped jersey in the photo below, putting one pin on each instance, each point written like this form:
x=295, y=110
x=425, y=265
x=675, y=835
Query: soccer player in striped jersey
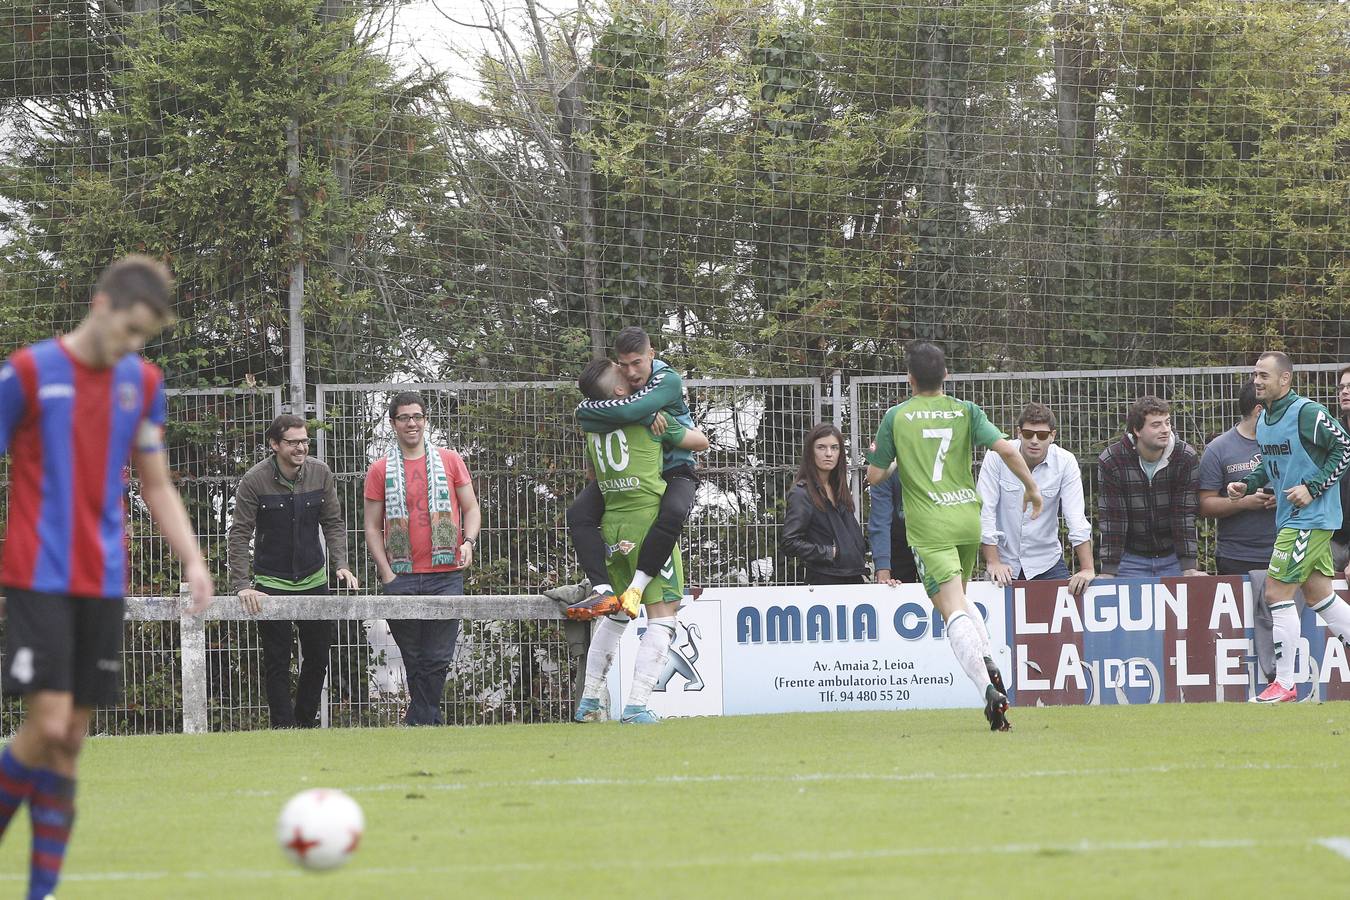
x=930, y=437
x=74, y=410
x=1304, y=453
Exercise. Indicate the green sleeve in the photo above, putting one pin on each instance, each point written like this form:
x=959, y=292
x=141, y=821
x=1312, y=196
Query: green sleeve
x=1258, y=478
x=665, y=390
x=882, y=452
x=982, y=431
x=673, y=434
x=1319, y=430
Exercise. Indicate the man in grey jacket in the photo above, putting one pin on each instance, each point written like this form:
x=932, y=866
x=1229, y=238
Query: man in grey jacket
x=280, y=506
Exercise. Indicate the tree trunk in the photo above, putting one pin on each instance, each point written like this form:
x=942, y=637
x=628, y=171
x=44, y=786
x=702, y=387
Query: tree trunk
x=576, y=125
x=1074, y=282
x=939, y=218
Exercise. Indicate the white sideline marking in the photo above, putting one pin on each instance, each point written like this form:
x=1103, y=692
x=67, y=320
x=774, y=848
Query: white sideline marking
x=1338, y=844
x=805, y=777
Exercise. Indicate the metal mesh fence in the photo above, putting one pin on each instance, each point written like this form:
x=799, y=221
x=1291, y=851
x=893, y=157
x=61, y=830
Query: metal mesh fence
x=213, y=436
x=525, y=453
x=1090, y=408
x=780, y=185
x=504, y=671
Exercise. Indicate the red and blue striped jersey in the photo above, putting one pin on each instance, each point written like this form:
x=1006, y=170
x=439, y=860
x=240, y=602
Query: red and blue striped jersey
x=70, y=430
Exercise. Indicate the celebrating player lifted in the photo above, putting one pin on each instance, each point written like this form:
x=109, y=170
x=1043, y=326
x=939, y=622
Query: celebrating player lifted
x=1304, y=452
x=930, y=438
x=627, y=465
x=651, y=394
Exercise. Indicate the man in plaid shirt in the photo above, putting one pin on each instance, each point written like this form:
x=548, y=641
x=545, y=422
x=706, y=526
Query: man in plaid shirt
x=1147, y=499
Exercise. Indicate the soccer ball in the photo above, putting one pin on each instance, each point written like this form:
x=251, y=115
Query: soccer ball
x=320, y=828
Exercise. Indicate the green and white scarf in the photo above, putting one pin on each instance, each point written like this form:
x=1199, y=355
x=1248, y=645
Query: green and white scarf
x=444, y=527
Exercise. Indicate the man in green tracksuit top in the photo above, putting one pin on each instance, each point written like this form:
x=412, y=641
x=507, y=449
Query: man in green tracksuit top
x=930, y=437
x=1304, y=453
x=627, y=463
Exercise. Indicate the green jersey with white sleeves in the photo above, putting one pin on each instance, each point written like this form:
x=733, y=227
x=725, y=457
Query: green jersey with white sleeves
x=932, y=440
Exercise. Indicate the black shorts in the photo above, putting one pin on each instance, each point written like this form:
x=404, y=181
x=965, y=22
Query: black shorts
x=72, y=645
x=683, y=470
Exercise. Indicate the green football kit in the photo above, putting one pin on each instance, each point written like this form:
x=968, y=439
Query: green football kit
x=627, y=463
x=932, y=440
x=1301, y=443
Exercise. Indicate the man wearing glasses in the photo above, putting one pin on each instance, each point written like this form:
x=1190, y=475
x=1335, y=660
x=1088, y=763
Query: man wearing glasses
x=421, y=524
x=1015, y=546
x=280, y=506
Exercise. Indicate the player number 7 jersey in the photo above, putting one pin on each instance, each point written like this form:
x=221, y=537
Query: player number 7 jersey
x=931, y=440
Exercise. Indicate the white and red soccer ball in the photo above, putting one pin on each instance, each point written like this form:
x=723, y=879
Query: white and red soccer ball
x=320, y=828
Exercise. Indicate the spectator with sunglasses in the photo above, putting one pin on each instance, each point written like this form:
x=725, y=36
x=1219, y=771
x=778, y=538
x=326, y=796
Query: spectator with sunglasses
x=1016, y=547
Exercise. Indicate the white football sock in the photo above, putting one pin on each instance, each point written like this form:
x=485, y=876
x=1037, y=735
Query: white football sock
x=604, y=644
x=651, y=659
x=981, y=630
x=605, y=588
x=965, y=641
x=640, y=580
x=1336, y=613
x=1286, y=633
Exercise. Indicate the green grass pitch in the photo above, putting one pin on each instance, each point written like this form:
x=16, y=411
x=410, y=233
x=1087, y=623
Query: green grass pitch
x=1173, y=800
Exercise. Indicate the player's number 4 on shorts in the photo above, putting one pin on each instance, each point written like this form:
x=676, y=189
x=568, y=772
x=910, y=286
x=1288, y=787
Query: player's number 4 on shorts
x=944, y=435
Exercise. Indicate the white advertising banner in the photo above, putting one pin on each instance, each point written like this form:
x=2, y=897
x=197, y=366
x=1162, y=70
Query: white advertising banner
x=811, y=649
x=691, y=684
x=815, y=649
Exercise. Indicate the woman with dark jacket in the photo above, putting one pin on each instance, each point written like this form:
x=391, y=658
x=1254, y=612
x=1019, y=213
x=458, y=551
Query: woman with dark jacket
x=820, y=528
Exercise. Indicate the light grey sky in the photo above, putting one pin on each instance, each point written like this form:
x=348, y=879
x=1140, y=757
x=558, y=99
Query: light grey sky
x=435, y=30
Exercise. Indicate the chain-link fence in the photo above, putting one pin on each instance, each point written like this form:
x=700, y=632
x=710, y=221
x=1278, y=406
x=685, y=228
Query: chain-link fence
x=1090, y=408
x=522, y=446
x=511, y=670
x=524, y=451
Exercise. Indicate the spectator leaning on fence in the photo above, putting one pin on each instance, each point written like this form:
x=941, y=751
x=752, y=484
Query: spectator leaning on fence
x=1015, y=546
x=1340, y=541
x=819, y=528
x=1247, y=526
x=421, y=525
x=281, y=507
x=887, y=534
x=1147, y=497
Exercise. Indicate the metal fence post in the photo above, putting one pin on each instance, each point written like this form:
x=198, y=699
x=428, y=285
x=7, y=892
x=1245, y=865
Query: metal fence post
x=837, y=397
x=855, y=440
x=192, y=641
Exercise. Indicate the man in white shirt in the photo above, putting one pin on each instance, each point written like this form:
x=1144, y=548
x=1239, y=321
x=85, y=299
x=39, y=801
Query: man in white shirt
x=1016, y=547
